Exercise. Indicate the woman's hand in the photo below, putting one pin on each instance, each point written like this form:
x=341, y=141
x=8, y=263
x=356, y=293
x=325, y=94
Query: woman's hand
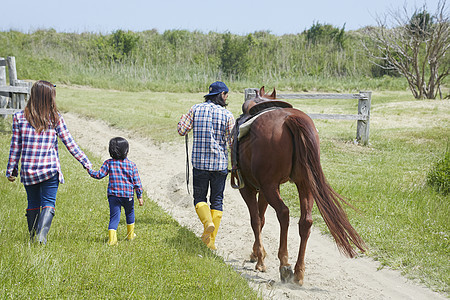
x=141, y=201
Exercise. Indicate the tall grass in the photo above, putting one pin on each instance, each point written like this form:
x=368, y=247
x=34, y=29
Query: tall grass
x=165, y=261
x=182, y=61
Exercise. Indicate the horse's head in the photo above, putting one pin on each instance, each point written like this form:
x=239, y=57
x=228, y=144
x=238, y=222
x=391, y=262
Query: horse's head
x=260, y=96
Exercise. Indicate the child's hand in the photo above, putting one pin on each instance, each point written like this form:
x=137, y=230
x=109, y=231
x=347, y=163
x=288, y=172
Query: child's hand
x=141, y=201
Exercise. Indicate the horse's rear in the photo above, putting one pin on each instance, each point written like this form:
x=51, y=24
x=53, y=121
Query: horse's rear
x=283, y=145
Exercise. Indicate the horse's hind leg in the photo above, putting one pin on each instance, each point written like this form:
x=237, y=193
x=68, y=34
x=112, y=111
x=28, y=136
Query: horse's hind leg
x=258, y=252
x=272, y=195
x=304, y=226
x=262, y=207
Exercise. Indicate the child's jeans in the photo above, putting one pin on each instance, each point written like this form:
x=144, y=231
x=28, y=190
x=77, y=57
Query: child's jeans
x=115, y=204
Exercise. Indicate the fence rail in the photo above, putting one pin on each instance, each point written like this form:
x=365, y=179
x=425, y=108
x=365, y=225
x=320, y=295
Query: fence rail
x=13, y=97
x=362, y=117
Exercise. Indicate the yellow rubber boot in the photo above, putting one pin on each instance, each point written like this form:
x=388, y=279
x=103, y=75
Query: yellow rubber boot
x=130, y=232
x=216, y=218
x=204, y=214
x=112, y=237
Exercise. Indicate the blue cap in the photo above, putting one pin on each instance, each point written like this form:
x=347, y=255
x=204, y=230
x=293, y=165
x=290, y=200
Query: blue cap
x=217, y=88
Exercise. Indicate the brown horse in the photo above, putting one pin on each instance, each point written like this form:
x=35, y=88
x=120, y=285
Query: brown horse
x=283, y=145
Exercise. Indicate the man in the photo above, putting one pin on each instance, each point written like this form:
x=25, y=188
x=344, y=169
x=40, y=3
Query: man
x=212, y=124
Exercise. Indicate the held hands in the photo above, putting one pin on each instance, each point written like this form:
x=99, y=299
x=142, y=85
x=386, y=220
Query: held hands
x=141, y=201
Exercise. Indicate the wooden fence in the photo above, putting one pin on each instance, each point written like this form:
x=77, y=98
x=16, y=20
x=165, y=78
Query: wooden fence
x=362, y=117
x=13, y=97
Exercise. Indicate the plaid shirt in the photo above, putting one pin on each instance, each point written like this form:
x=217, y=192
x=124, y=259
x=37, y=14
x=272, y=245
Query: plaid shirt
x=212, y=126
x=123, y=177
x=40, y=158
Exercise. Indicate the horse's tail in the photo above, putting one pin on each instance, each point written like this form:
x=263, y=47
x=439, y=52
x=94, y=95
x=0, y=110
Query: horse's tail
x=329, y=202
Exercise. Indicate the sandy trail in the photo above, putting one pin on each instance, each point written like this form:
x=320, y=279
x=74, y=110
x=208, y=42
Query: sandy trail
x=329, y=275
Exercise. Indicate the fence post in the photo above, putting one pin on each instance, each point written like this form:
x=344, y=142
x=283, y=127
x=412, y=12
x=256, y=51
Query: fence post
x=11, y=60
x=250, y=94
x=22, y=98
x=362, y=128
x=3, y=96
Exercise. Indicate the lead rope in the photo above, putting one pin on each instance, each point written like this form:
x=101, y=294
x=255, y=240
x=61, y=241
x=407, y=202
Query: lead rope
x=187, y=162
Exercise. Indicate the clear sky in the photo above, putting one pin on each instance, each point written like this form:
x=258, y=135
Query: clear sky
x=236, y=16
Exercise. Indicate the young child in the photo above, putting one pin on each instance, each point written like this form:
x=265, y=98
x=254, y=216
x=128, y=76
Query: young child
x=123, y=181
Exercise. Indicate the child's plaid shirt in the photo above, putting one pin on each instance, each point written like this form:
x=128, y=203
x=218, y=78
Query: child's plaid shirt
x=40, y=159
x=123, y=177
x=212, y=125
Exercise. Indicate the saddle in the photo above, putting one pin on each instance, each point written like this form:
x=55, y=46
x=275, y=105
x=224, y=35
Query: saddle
x=252, y=109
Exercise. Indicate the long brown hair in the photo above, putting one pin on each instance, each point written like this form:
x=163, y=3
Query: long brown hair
x=41, y=111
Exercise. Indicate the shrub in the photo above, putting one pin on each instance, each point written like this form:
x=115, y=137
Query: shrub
x=439, y=175
x=325, y=33
x=117, y=46
x=234, y=54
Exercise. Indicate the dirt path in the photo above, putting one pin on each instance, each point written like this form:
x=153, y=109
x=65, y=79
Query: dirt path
x=328, y=274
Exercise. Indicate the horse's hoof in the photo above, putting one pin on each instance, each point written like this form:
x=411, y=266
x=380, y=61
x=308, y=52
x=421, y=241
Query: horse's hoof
x=286, y=274
x=261, y=268
x=299, y=282
x=298, y=278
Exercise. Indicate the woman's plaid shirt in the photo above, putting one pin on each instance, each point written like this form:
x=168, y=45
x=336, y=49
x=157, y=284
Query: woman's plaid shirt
x=212, y=125
x=123, y=177
x=40, y=159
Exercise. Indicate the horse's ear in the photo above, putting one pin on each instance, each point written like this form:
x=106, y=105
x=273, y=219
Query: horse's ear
x=261, y=92
x=274, y=94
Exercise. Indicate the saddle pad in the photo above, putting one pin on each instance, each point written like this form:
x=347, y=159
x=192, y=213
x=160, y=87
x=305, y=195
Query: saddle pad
x=245, y=127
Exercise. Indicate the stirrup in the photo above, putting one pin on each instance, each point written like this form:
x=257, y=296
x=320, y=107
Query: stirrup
x=236, y=175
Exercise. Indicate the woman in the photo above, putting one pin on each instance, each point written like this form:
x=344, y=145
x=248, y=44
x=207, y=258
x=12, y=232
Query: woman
x=34, y=141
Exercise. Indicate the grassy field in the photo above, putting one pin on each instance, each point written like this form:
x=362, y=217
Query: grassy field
x=165, y=261
x=404, y=221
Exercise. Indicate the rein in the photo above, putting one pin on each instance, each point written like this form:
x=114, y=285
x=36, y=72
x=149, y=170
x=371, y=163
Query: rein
x=186, y=138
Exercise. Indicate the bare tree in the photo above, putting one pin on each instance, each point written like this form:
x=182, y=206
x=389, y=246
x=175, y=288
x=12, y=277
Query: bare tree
x=415, y=46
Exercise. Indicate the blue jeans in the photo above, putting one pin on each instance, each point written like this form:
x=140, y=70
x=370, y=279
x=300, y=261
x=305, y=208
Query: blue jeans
x=202, y=180
x=42, y=194
x=115, y=204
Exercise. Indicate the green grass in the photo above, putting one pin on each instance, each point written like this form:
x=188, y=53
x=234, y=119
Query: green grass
x=165, y=261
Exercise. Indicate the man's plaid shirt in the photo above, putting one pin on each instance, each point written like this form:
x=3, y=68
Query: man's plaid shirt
x=40, y=159
x=212, y=125
x=123, y=177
